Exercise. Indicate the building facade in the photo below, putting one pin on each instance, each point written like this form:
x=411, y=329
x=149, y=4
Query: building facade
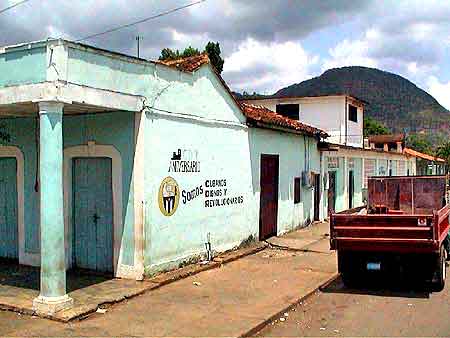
x=347, y=158
x=128, y=167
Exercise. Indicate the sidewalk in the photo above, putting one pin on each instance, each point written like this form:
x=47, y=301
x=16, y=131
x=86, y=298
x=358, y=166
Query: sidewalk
x=233, y=300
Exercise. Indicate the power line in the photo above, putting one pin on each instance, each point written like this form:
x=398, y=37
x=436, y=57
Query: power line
x=12, y=6
x=140, y=21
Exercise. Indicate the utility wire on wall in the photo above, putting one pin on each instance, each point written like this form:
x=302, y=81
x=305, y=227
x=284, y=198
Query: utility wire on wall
x=140, y=21
x=13, y=6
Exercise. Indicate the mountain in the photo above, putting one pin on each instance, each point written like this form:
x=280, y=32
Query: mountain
x=392, y=100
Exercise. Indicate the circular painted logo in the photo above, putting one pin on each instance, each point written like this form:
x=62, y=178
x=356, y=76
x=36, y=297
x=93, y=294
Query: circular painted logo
x=169, y=196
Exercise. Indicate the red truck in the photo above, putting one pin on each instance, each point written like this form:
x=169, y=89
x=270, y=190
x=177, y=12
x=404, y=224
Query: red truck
x=403, y=228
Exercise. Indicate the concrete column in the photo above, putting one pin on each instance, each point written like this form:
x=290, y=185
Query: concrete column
x=139, y=203
x=52, y=297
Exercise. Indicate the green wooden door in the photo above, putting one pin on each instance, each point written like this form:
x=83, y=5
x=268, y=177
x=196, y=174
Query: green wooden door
x=9, y=247
x=93, y=214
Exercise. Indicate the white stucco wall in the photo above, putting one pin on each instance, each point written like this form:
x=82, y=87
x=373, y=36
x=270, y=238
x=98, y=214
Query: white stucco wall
x=201, y=119
x=230, y=153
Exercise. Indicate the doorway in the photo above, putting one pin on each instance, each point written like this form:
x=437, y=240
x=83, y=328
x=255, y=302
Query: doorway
x=9, y=243
x=316, y=197
x=351, y=188
x=331, y=192
x=268, y=208
x=92, y=214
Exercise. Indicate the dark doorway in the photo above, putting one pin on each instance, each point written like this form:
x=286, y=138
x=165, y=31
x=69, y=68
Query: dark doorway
x=268, y=208
x=316, y=197
x=351, y=188
x=331, y=192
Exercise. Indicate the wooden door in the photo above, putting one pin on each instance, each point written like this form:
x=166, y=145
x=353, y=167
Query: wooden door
x=93, y=214
x=9, y=246
x=316, y=197
x=268, y=212
x=331, y=192
x=351, y=188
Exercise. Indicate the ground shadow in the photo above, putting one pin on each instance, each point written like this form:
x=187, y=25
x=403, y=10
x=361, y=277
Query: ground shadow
x=382, y=287
x=28, y=277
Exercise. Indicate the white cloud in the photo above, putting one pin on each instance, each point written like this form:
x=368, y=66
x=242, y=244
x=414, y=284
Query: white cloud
x=401, y=54
x=439, y=90
x=351, y=53
x=267, y=67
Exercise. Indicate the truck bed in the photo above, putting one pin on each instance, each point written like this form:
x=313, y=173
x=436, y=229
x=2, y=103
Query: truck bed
x=387, y=232
x=404, y=215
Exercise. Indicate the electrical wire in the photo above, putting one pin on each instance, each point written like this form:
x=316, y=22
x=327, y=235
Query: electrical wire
x=12, y=6
x=140, y=21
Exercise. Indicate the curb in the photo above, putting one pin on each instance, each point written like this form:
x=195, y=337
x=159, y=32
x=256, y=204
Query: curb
x=303, y=249
x=157, y=282
x=280, y=313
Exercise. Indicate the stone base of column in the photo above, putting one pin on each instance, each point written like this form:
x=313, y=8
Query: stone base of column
x=51, y=305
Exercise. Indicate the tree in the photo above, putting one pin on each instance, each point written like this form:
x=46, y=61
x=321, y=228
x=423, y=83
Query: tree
x=190, y=51
x=443, y=151
x=211, y=48
x=373, y=127
x=169, y=54
x=420, y=143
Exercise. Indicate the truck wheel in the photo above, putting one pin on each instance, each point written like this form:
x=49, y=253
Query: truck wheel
x=447, y=247
x=349, y=279
x=345, y=266
x=440, y=274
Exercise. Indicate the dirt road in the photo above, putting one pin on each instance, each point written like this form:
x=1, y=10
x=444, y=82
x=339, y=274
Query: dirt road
x=388, y=310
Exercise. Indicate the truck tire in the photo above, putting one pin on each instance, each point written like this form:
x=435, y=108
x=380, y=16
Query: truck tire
x=440, y=274
x=346, y=269
x=447, y=246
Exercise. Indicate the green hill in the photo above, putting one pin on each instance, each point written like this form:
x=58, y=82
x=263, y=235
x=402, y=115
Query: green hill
x=392, y=100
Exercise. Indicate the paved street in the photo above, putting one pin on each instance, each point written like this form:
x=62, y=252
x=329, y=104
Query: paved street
x=390, y=311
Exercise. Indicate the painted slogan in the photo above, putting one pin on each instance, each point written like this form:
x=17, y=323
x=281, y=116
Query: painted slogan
x=213, y=192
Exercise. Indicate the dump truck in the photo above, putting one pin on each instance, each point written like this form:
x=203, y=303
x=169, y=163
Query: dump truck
x=403, y=228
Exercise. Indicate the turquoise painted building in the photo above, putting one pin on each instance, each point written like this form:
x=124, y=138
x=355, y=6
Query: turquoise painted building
x=126, y=166
x=347, y=168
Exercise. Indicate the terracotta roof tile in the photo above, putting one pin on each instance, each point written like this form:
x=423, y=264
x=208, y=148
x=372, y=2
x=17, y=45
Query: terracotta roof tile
x=262, y=114
x=188, y=64
x=387, y=138
x=427, y=157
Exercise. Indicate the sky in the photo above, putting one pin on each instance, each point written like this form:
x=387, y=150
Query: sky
x=266, y=44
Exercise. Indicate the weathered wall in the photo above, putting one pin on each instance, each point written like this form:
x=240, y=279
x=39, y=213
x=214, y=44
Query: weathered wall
x=172, y=239
x=18, y=67
x=197, y=116
x=234, y=157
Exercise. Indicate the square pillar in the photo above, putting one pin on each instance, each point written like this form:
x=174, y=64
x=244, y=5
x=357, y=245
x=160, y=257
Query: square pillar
x=53, y=296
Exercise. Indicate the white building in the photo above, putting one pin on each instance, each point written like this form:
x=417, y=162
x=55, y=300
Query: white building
x=341, y=116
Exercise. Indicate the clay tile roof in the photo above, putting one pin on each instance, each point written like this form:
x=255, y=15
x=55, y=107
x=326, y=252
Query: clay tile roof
x=262, y=114
x=386, y=138
x=188, y=64
x=427, y=157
